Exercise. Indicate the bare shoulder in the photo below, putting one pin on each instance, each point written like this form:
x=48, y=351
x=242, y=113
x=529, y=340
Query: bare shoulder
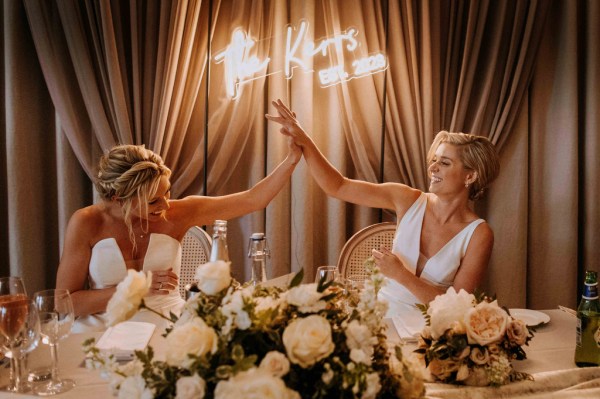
x=404, y=197
x=86, y=221
x=483, y=234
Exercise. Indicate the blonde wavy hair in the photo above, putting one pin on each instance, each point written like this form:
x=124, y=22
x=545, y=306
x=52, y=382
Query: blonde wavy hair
x=477, y=153
x=129, y=172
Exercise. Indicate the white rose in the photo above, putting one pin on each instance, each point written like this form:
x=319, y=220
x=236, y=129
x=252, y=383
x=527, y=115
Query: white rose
x=213, y=277
x=486, y=323
x=126, y=300
x=275, y=363
x=306, y=298
x=254, y=383
x=308, y=340
x=448, y=310
x=193, y=338
x=233, y=308
x=135, y=388
x=192, y=387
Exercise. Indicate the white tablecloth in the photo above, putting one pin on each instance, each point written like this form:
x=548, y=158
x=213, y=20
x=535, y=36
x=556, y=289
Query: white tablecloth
x=549, y=360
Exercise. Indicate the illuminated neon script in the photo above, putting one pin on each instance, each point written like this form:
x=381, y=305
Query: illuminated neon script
x=242, y=66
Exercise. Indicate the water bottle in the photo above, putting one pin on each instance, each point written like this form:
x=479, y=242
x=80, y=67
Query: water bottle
x=258, y=250
x=587, y=348
x=219, y=249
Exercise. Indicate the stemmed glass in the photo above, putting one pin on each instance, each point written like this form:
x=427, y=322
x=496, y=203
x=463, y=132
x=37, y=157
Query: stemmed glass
x=55, y=308
x=327, y=274
x=19, y=334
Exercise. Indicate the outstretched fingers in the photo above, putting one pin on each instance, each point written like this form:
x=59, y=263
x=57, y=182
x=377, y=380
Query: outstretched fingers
x=283, y=110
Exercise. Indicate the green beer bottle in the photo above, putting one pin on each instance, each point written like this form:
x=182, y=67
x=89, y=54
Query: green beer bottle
x=587, y=348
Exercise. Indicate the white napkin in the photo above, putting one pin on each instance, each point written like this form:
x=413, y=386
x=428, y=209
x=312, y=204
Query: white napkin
x=126, y=337
x=409, y=326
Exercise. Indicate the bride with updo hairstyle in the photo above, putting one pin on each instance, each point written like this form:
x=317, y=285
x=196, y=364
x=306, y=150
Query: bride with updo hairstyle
x=136, y=225
x=130, y=172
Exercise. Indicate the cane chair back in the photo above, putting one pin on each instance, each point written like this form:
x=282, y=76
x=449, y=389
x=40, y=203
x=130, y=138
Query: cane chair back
x=358, y=248
x=195, y=250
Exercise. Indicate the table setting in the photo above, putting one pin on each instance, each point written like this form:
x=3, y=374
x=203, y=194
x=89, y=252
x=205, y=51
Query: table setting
x=233, y=338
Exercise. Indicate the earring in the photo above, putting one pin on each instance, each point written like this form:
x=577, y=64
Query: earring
x=467, y=185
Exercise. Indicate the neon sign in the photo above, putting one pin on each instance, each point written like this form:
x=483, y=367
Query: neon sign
x=242, y=66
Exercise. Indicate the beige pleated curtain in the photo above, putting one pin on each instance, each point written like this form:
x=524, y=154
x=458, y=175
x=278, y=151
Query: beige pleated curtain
x=102, y=72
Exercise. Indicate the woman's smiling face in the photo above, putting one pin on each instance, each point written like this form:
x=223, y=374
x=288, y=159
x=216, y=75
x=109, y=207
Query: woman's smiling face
x=157, y=205
x=447, y=172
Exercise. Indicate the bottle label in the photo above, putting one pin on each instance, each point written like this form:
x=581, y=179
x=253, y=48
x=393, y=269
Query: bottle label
x=578, y=333
x=590, y=291
x=597, y=337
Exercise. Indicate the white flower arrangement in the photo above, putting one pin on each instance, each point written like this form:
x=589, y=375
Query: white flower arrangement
x=247, y=342
x=469, y=339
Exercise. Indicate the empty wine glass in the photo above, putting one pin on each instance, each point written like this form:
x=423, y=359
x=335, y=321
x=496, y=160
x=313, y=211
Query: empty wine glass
x=12, y=285
x=327, y=274
x=55, y=308
x=19, y=334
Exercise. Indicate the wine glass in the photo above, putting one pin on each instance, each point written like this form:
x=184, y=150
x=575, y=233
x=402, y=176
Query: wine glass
x=55, y=308
x=12, y=288
x=19, y=334
x=12, y=285
x=327, y=274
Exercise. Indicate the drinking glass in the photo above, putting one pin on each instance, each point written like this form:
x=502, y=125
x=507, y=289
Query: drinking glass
x=19, y=334
x=327, y=274
x=12, y=288
x=354, y=287
x=12, y=285
x=55, y=308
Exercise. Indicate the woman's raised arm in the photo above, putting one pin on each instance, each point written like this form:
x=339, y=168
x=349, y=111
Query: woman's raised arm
x=387, y=195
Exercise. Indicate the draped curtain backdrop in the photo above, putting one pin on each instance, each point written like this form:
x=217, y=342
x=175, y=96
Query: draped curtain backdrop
x=80, y=76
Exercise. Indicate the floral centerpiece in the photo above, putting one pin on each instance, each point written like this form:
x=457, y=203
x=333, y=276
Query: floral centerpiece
x=469, y=339
x=236, y=341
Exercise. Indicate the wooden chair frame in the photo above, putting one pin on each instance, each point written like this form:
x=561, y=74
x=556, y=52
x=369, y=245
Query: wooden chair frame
x=358, y=248
x=195, y=251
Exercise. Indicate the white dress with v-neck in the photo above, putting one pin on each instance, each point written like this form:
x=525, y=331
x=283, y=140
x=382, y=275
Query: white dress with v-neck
x=107, y=269
x=439, y=270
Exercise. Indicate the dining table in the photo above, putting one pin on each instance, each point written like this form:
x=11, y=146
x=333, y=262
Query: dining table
x=550, y=360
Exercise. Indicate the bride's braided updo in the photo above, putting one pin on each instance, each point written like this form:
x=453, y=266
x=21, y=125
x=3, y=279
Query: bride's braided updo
x=129, y=172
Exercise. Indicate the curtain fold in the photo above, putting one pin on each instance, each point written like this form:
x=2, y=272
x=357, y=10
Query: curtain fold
x=97, y=42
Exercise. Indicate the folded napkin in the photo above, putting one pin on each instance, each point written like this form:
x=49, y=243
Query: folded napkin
x=281, y=281
x=126, y=337
x=409, y=325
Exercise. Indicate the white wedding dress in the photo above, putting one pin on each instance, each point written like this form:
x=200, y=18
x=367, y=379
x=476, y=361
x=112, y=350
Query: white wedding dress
x=439, y=270
x=107, y=269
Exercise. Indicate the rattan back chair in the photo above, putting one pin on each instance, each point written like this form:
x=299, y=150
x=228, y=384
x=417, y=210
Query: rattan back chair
x=195, y=251
x=358, y=248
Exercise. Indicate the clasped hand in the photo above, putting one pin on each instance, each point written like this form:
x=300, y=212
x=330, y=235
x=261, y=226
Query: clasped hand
x=389, y=264
x=163, y=282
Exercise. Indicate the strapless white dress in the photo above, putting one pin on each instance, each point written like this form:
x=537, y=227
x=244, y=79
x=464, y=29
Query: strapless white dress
x=107, y=269
x=439, y=270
